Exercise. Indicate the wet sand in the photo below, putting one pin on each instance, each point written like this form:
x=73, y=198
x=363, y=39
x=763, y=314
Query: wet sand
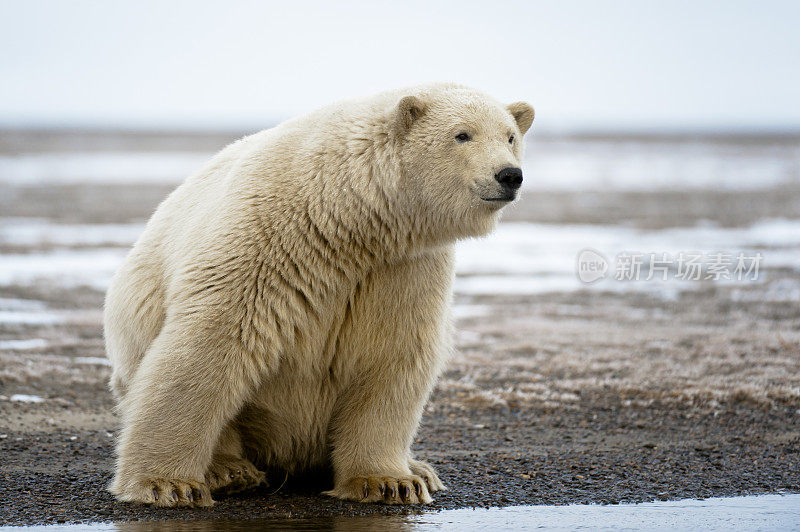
x=554, y=398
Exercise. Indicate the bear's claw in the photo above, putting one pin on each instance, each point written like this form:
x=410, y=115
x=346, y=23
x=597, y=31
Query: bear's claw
x=168, y=492
x=406, y=489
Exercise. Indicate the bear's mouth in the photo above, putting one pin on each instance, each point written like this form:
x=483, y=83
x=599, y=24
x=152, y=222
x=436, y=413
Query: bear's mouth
x=494, y=195
x=499, y=199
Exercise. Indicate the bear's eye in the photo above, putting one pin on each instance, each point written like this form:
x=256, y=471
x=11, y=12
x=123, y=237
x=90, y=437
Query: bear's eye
x=511, y=139
x=463, y=137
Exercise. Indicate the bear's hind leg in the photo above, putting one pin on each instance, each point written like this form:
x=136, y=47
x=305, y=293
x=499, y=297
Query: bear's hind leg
x=428, y=474
x=133, y=314
x=229, y=471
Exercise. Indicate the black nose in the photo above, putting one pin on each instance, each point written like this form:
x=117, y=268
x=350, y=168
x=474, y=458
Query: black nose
x=510, y=177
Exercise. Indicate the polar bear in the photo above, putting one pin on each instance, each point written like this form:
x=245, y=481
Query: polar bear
x=287, y=306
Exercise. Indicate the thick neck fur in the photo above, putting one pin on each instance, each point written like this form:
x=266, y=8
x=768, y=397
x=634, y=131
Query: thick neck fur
x=374, y=221
x=351, y=213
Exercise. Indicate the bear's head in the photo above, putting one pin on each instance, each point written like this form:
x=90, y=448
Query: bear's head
x=460, y=153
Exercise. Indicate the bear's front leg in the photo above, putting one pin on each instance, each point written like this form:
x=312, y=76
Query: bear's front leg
x=371, y=455
x=397, y=340
x=192, y=381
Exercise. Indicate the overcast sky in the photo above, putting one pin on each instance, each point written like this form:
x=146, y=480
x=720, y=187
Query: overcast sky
x=625, y=64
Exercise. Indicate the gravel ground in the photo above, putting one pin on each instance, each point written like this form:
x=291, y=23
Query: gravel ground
x=601, y=452
x=614, y=420
x=583, y=397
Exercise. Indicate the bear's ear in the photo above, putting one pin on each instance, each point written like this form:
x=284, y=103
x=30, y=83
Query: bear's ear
x=523, y=113
x=408, y=110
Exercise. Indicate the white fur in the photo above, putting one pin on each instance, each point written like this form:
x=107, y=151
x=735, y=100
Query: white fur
x=287, y=306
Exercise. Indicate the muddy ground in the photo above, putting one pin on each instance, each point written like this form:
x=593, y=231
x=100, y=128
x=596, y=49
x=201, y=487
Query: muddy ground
x=550, y=399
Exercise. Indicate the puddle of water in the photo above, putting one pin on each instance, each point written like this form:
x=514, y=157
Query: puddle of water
x=104, y=167
x=66, y=268
x=21, y=304
x=91, y=361
x=519, y=258
x=23, y=345
x=763, y=512
x=568, y=164
x=37, y=232
x=525, y=258
x=15, y=317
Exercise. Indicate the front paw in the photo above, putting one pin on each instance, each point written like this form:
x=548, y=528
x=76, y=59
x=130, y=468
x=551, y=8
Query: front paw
x=405, y=489
x=166, y=492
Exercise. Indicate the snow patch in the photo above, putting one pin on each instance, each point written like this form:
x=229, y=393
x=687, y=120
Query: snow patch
x=22, y=398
